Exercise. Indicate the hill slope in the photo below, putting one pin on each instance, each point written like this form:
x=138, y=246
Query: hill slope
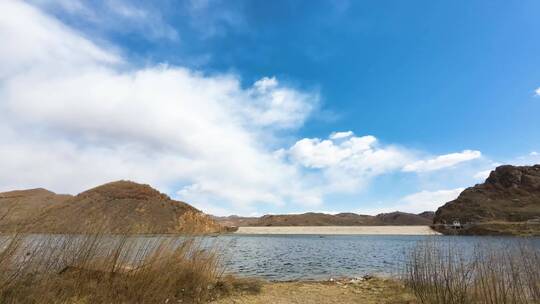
x=20, y=208
x=120, y=207
x=322, y=219
x=509, y=195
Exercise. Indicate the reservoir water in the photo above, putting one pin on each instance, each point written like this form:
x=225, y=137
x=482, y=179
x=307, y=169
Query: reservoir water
x=306, y=257
x=290, y=257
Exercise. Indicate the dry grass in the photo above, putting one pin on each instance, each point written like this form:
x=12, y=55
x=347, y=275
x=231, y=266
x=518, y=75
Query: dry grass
x=99, y=268
x=491, y=274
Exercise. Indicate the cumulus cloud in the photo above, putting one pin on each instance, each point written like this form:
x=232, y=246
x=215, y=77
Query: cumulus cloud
x=442, y=161
x=74, y=114
x=338, y=135
x=419, y=202
x=348, y=162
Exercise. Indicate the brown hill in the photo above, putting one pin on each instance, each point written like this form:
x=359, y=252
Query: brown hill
x=510, y=195
x=236, y=221
x=322, y=219
x=20, y=208
x=402, y=218
x=427, y=215
x=119, y=207
x=314, y=219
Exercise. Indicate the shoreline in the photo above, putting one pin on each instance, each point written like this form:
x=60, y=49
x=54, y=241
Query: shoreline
x=367, y=289
x=337, y=230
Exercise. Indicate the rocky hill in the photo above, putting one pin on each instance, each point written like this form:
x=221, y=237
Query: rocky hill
x=117, y=207
x=322, y=219
x=508, y=199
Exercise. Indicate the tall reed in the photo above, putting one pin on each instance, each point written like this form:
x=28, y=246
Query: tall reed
x=489, y=273
x=102, y=268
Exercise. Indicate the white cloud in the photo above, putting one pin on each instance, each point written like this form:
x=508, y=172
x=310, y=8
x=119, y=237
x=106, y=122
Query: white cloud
x=338, y=135
x=537, y=92
x=347, y=164
x=482, y=175
x=140, y=18
x=529, y=159
x=74, y=114
x=442, y=161
x=429, y=200
x=316, y=153
x=419, y=202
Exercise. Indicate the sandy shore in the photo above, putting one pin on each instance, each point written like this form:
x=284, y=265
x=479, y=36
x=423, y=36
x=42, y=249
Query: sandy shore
x=375, y=291
x=337, y=230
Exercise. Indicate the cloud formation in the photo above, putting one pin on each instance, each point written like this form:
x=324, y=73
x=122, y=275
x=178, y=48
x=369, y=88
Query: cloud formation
x=419, y=202
x=142, y=18
x=442, y=161
x=75, y=114
x=348, y=162
x=338, y=135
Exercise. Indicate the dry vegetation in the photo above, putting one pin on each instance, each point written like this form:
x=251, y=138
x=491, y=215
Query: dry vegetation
x=98, y=268
x=491, y=274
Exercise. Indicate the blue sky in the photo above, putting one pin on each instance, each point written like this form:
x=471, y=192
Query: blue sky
x=253, y=107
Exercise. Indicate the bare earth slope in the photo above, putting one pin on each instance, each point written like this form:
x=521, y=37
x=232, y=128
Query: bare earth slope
x=121, y=207
x=19, y=208
x=322, y=219
x=509, y=199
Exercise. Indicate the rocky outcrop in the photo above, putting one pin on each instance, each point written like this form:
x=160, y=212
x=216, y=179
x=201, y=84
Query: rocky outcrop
x=509, y=195
x=119, y=207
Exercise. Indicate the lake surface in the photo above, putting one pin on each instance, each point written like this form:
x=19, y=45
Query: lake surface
x=290, y=257
x=305, y=257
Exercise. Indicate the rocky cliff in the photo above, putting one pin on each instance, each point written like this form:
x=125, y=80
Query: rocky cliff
x=509, y=195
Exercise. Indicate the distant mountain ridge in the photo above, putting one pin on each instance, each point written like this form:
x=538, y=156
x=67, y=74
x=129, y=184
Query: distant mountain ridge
x=323, y=219
x=117, y=207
